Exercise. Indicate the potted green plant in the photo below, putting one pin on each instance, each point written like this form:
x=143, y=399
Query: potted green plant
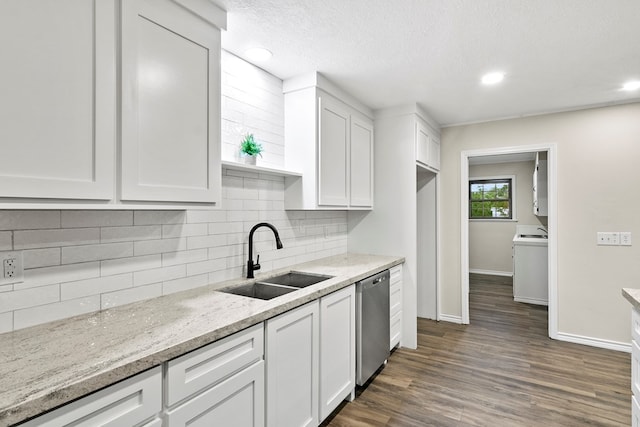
x=250, y=149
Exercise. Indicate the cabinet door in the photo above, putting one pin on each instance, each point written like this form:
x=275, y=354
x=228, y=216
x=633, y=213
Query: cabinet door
x=434, y=152
x=337, y=348
x=292, y=368
x=170, y=104
x=422, y=144
x=57, y=115
x=361, y=163
x=126, y=403
x=333, y=162
x=237, y=401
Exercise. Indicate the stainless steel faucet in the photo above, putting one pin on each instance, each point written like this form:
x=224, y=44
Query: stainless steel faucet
x=251, y=267
x=543, y=229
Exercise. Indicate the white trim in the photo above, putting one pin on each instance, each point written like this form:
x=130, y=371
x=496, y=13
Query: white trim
x=450, y=318
x=594, y=342
x=542, y=113
x=514, y=207
x=552, y=161
x=535, y=301
x=491, y=272
x=438, y=251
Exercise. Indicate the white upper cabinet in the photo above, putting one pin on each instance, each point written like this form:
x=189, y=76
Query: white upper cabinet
x=329, y=138
x=170, y=104
x=361, y=163
x=427, y=146
x=57, y=108
x=333, y=145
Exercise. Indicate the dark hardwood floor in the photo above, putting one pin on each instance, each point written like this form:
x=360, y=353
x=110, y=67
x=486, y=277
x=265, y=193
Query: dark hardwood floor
x=501, y=370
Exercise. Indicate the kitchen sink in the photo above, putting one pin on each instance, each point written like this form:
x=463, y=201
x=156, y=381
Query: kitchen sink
x=533, y=236
x=296, y=279
x=259, y=290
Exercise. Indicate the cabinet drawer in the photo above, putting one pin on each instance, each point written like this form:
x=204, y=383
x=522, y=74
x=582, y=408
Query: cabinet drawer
x=127, y=403
x=395, y=330
x=635, y=324
x=635, y=368
x=236, y=401
x=395, y=299
x=396, y=274
x=635, y=412
x=208, y=365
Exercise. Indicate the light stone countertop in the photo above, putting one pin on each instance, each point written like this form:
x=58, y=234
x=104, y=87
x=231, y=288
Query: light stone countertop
x=633, y=296
x=48, y=365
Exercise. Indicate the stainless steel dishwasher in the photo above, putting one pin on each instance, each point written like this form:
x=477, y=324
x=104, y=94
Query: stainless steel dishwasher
x=372, y=325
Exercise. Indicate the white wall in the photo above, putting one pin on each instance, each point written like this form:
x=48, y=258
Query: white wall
x=82, y=261
x=598, y=174
x=490, y=240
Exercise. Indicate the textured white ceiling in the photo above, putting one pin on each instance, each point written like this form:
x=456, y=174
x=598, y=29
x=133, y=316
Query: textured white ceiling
x=558, y=54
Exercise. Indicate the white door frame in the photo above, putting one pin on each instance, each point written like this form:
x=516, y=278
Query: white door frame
x=552, y=161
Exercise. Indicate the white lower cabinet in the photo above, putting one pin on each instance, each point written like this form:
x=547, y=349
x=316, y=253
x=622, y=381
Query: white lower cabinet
x=236, y=401
x=223, y=383
x=291, y=354
x=395, y=306
x=337, y=349
x=635, y=367
x=128, y=403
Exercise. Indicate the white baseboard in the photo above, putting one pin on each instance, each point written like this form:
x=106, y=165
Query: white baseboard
x=595, y=342
x=531, y=300
x=450, y=318
x=491, y=272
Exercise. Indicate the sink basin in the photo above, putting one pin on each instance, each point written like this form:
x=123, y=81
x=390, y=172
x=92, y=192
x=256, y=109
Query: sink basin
x=259, y=290
x=533, y=236
x=296, y=279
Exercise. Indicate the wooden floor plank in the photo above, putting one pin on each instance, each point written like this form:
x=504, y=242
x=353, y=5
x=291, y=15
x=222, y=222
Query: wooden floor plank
x=501, y=370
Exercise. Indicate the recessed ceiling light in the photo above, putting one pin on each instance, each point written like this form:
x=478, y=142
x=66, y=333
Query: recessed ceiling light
x=635, y=85
x=258, y=54
x=492, y=78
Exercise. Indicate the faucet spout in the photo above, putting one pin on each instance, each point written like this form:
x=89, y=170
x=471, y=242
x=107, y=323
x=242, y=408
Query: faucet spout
x=251, y=267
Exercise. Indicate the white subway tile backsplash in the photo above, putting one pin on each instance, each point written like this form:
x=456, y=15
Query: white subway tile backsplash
x=50, y=312
x=206, y=266
x=127, y=265
x=6, y=240
x=183, y=230
x=209, y=241
x=59, y=274
x=99, y=285
x=29, y=297
x=127, y=296
x=29, y=220
x=206, y=216
x=128, y=234
x=157, y=275
x=184, y=257
x=148, y=247
x=136, y=255
x=76, y=254
x=35, y=258
x=173, y=286
x=159, y=217
x=6, y=322
x=52, y=238
x=73, y=219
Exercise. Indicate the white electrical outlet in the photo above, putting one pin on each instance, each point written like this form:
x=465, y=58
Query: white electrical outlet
x=608, y=238
x=625, y=238
x=12, y=267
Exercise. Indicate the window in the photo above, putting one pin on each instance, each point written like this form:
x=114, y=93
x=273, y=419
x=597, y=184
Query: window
x=491, y=198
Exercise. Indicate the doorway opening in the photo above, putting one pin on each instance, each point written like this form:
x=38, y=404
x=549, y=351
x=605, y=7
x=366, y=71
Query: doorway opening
x=551, y=151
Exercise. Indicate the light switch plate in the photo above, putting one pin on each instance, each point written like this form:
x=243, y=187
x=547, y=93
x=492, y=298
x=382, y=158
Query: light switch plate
x=608, y=238
x=625, y=238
